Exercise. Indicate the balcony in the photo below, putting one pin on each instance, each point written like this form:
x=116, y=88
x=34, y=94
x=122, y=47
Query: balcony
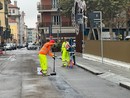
x=46, y=8
x=47, y=24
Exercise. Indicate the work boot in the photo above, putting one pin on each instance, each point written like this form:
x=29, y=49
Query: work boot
x=63, y=65
x=41, y=71
x=44, y=72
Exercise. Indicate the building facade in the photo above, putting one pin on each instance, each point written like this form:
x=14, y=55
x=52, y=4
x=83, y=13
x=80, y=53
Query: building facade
x=4, y=21
x=22, y=29
x=52, y=22
x=31, y=35
x=14, y=21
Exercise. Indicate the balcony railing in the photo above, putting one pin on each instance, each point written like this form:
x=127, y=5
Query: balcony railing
x=46, y=7
x=47, y=24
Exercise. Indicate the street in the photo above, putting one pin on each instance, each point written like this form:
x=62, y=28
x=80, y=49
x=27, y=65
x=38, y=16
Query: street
x=19, y=79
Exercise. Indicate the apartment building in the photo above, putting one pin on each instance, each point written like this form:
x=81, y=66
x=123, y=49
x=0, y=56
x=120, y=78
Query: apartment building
x=14, y=21
x=4, y=20
x=52, y=22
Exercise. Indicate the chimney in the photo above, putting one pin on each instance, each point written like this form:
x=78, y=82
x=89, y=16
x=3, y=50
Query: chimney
x=15, y=3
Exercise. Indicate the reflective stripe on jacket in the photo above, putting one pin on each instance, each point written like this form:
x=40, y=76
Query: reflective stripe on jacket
x=46, y=49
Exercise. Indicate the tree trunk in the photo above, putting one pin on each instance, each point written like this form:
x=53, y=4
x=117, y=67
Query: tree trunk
x=110, y=29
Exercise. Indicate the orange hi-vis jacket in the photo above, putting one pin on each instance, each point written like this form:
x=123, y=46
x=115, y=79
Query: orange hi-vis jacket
x=46, y=49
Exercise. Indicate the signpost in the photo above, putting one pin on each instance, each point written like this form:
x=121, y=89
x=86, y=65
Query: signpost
x=98, y=20
x=95, y=18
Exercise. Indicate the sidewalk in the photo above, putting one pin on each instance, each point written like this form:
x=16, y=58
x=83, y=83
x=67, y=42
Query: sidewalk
x=110, y=72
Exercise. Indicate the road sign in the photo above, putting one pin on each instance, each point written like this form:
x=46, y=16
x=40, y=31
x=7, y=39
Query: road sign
x=94, y=19
x=79, y=18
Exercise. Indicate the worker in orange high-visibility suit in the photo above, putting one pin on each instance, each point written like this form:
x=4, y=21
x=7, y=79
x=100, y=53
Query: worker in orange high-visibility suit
x=45, y=50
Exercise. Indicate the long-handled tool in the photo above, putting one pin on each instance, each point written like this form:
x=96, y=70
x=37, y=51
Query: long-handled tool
x=54, y=72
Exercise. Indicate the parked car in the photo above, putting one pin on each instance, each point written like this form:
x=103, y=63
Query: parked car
x=13, y=46
x=8, y=46
x=31, y=46
x=19, y=46
x=127, y=37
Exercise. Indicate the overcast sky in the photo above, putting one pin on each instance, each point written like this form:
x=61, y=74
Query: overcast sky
x=30, y=9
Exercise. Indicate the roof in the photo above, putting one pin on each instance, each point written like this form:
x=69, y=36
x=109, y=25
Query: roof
x=12, y=20
x=12, y=6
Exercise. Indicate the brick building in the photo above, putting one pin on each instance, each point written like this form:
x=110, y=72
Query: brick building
x=52, y=22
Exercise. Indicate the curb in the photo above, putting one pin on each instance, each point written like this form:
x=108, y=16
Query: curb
x=96, y=72
x=125, y=85
x=93, y=71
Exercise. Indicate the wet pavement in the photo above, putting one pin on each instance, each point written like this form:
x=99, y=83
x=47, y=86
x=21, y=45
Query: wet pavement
x=19, y=79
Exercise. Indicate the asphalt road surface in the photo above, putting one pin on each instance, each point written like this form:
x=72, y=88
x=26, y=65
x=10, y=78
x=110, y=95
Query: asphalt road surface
x=19, y=79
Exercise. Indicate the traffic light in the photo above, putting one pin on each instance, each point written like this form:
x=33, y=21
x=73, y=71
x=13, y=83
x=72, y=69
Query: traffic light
x=6, y=34
x=1, y=6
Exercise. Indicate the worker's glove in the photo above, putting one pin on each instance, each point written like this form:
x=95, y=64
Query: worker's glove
x=53, y=57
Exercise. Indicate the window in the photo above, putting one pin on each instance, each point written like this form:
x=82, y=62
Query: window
x=54, y=3
x=13, y=11
x=9, y=11
x=56, y=20
x=29, y=32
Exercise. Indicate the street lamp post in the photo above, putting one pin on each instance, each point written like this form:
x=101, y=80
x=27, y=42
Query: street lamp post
x=83, y=27
x=59, y=14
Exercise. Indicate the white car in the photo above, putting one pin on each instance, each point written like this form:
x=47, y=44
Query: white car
x=31, y=46
x=127, y=37
x=8, y=46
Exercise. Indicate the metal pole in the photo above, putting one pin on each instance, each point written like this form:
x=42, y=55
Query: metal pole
x=101, y=36
x=60, y=22
x=100, y=20
x=83, y=32
x=6, y=21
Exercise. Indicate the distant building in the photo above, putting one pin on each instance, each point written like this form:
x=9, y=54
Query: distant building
x=17, y=24
x=22, y=29
x=31, y=35
x=25, y=34
x=52, y=22
x=14, y=21
x=4, y=19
